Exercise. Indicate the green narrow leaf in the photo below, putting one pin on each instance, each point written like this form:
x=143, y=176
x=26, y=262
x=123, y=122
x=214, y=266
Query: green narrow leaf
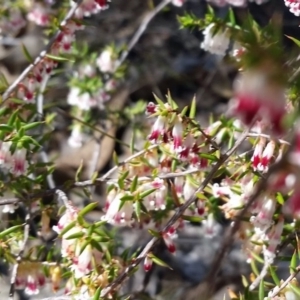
x=121, y=180
x=194, y=219
x=97, y=294
x=67, y=228
x=293, y=263
x=254, y=267
x=12, y=119
x=161, y=103
x=146, y=193
x=261, y=293
x=154, y=233
x=257, y=257
x=59, y=58
x=78, y=172
x=174, y=165
x=184, y=111
x=232, y=17
x=27, y=54
x=295, y=289
x=137, y=209
x=280, y=198
x=134, y=184
x=76, y=235
x=193, y=108
x=172, y=103
x=297, y=42
x=132, y=142
x=6, y=128
x=115, y=158
x=87, y=209
x=127, y=197
x=244, y=281
x=274, y=276
x=31, y=125
x=159, y=261
x=10, y=230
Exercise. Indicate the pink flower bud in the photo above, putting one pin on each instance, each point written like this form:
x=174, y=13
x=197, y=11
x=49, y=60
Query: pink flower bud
x=266, y=157
x=177, y=134
x=151, y=108
x=257, y=155
x=148, y=264
x=158, y=129
x=169, y=243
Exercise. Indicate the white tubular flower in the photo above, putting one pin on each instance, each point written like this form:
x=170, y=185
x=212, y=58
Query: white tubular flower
x=117, y=215
x=178, y=185
x=69, y=216
x=219, y=191
x=263, y=220
x=68, y=246
x=19, y=163
x=189, y=189
x=76, y=138
x=5, y=155
x=273, y=237
x=210, y=226
x=9, y=208
x=158, y=129
x=217, y=43
x=267, y=156
x=178, y=3
x=105, y=62
x=82, y=263
x=237, y=2
x=177, y=134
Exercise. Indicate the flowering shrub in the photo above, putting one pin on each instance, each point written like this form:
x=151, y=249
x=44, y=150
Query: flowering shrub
x=184, y=173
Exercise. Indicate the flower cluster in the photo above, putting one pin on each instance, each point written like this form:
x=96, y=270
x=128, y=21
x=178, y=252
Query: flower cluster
x=12, y=23
x=89, y=7
x=239, y=3
x=258, y=98
x=186, y=146
x=30, y=277
x=84, y=100
x=14, y=163
x=63, y=44
x=40, y=14
x=215, y=42
x=294, y=6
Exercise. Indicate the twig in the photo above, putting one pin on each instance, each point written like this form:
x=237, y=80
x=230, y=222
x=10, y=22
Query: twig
x=254, y=134
x=19, y=258
x=41, y=56
x=175, y=217
x=263, y=273
x=140, y=32
x=277, y=290
x=62, y=112
x=130, y=158
x=63, y=197
x=229, y=236
x=40, y=112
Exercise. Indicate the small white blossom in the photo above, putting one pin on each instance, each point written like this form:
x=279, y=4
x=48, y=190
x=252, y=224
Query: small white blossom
x=215, y=43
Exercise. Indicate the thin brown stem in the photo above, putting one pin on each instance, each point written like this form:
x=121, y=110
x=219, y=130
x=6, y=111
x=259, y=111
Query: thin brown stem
x=119, y=280
x=41, y=56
